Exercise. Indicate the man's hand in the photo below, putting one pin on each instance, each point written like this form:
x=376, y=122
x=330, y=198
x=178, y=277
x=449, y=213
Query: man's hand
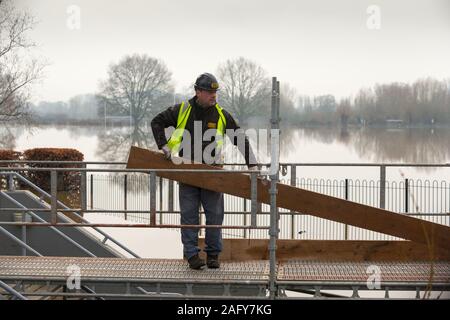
x=166, y=151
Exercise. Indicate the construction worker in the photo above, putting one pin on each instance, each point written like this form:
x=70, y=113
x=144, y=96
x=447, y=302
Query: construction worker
x=200, y=113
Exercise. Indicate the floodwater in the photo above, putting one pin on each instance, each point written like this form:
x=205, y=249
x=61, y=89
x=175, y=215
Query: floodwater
x=297, y=145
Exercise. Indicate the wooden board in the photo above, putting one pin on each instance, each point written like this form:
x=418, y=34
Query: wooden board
x=300, y=200
x=330, y=250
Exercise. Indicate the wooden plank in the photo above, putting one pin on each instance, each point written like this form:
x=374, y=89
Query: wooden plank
x=300, y=200
x=330, y=250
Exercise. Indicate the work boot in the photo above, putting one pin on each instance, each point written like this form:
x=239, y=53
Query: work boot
x=213, y=261
x=195, y=262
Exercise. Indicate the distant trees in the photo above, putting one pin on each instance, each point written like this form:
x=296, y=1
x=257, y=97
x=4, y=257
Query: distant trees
x=245, y=88
x=316, y=110
x=393, y=101
x=46, y=111
x=431, y=100
x=138, y=86
x=18, y=71
x=81, y=107
x=344, y=111
x=288, y=97
x=364, y=105
x=84, y=107
x=425, y=101
x=325, y=103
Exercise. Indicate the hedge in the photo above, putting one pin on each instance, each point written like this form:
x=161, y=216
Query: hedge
x=68, y=181
x=9, y=155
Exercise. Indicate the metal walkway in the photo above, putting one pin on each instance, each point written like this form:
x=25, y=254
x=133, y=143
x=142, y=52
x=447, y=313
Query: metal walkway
x=55, y=268
x=147, y=278
x=390, y=272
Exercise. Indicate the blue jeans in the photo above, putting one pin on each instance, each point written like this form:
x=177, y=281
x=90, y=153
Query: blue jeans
x=212, y=202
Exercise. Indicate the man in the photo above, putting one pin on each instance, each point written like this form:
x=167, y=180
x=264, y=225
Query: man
x=200, y=113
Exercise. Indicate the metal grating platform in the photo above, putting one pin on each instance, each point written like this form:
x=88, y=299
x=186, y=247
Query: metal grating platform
x=55, y=268
x=298, y=270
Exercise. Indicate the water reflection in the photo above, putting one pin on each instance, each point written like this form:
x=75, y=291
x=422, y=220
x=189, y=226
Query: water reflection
x=76, y=132
x=7, y=138
x=418, y=145
x=115, y=143
x=377, y=144
x=344, y=135
x=403, y=145
x=371, y=144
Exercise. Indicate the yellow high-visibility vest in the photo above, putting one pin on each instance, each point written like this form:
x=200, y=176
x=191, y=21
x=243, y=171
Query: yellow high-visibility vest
x=183, y=115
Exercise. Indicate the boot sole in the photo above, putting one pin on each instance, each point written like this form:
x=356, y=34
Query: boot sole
x=198, y=268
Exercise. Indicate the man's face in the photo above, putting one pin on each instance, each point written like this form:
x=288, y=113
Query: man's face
x=206, y=98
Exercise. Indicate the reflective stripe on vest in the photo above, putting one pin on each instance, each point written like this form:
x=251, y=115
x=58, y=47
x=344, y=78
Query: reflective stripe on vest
x=183, y=116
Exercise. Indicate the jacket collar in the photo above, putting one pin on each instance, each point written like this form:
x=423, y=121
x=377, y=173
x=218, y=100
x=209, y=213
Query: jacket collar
x=194, y=104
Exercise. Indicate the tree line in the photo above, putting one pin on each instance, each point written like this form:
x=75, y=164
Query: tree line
x=138, y=86
x=426, y=101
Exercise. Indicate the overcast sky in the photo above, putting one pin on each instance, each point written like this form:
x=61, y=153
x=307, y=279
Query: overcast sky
x=316, y=46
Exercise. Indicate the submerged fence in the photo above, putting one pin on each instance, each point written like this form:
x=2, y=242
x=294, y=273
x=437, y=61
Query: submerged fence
x=114, y=189
x=424, y=199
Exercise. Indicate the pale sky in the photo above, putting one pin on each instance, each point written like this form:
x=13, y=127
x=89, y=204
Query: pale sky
x=316, y=46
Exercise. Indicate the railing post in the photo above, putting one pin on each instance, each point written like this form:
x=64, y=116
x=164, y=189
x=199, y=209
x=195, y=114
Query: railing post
x=406, y=195
x=259, y=210
x=245, y=231
x=254, y=198
x=125, y=195
x=346, y=198
x=92, y=192
x=171, y=195
x=294, y=184
x=83, y=191
x=11, y=182
x=54, y=196
x=382, y=186
x=153, y=198
x=170, y=200
x=273, y=233
x=160, y=200
x=24, y=233
x=202, y=232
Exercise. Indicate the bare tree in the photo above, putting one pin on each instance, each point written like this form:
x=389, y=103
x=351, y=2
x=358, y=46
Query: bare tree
x=288, y=97
x=344, y=110
x=431, y=101
x=18, y=69
x=325, y=103
x=365, y=101
x=7, y=138
x=138, y=86
x=115, y=144
x=245, y=88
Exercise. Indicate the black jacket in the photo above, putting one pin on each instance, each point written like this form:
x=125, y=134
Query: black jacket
x=168, y=118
